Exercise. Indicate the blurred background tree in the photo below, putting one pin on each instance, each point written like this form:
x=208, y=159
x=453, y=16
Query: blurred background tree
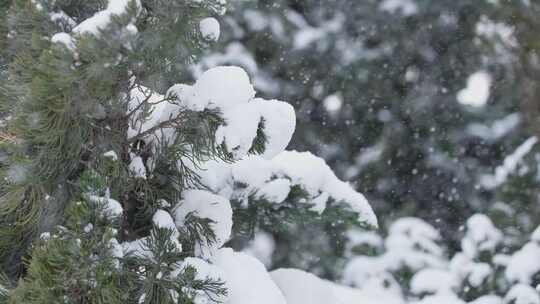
x=415, y=102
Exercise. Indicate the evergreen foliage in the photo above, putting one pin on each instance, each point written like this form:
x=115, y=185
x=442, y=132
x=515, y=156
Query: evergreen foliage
x=102, y=158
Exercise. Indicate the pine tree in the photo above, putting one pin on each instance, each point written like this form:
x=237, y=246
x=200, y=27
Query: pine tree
x=121, y=184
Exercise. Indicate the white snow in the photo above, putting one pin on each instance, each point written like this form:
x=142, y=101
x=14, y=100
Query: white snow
x=300, y=168
x=275, y=191
x=45, y=236
x=413, y=243
x=466, y=269
x=136, y=167
x=221, y=87
x=61, y=17
x=206, y=205
x=441, y=298
x=229, y=90
x=535, y=237
x=432, y=280
x=333, y=103
x=137, y=248
x=162, y=219
x=111, y=207
x=347, y=295
x=261, y=247
x=88, y=228
x=524, y=264
x=204, y=271
x=300, y=287
x=142, y=98
x=247, y=280
x=477, y=91
x=522, y=294
x=489, y=299
x=65, y=39
x=361, y=269
x=405, y=7
x=316, y=177
x=307, y=35
x=498, y=129
x=509, y=166
x=209, y=28
x=116, y=251
x=358, y=237
x=111, y=154
x=481, y=235
x=101, y=19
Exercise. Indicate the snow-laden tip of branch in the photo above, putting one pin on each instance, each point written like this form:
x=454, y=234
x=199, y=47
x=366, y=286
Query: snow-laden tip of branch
x=101, y=19
x=206, y=205
x=273, y=178
x=509, y=165
x=228, y=90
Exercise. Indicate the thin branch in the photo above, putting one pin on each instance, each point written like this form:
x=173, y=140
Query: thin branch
x=164, y=124
x=7, y=137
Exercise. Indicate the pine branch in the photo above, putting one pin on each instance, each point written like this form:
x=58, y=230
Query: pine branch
x=6, y=137
x=172, y=122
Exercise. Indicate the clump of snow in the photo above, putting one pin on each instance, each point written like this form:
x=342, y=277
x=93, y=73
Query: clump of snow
x=261, y=247
x=142, y=99
x=209, y=28
x=111, y=154
x=405, y=7
x=229, y=90
x=522, y=294
x=137, y=248
x=65, y=39
x=481, y=235
x=88, y=228
x=412, y=243
x=45, y=236
x=116, y=251
x=111, y=207
x=275, y=190
x=359, y=237
x=242, y=124
x=247, y=280
x=204, y=271
x=360, y=270
x=432, y=281
x=62, y=19
x=314, y=175
x=298, y=168
x=204, y=204
x=102, y=19
x=222, y=87
x=477, y=91
x=162, y=219
x=136, y=167
x=524, y=264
